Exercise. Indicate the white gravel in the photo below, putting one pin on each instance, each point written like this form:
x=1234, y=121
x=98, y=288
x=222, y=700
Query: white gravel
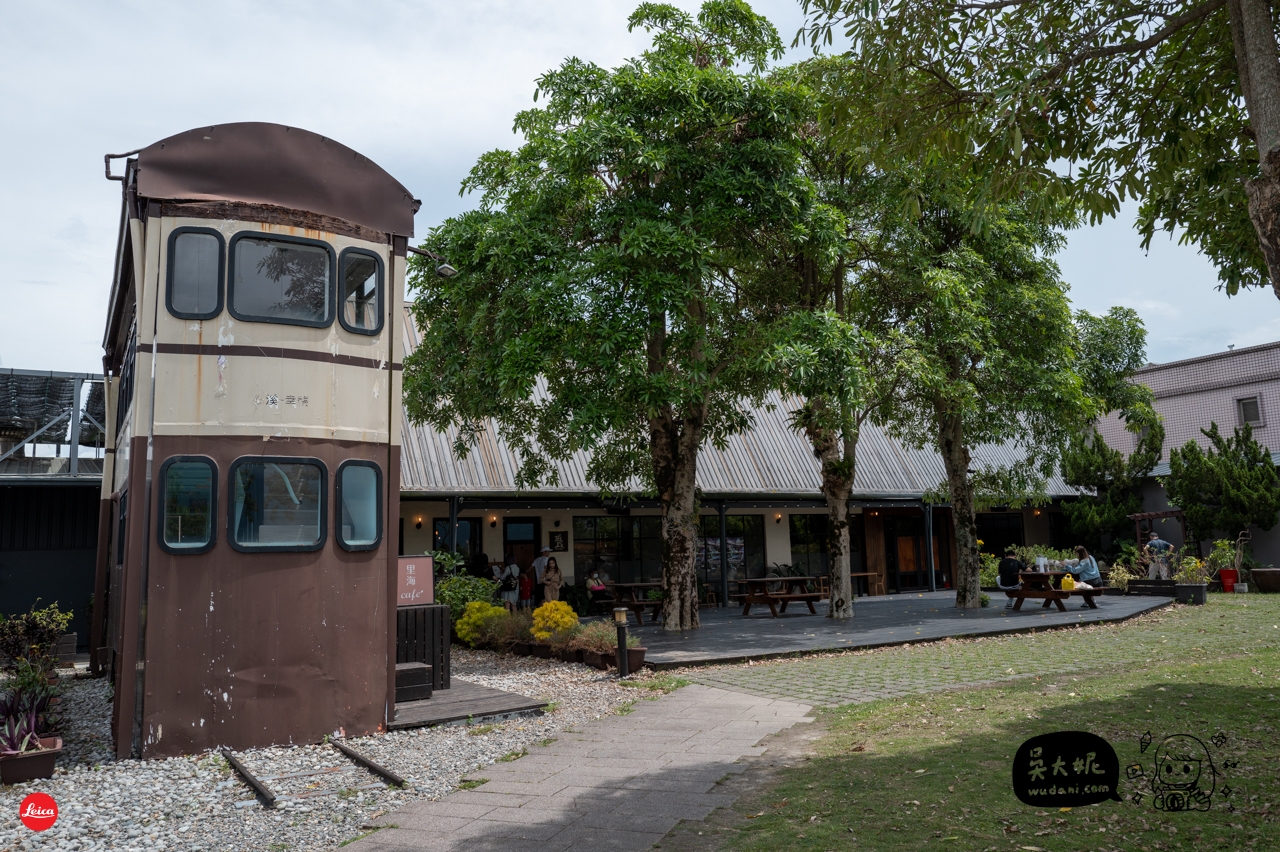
x=198, y=804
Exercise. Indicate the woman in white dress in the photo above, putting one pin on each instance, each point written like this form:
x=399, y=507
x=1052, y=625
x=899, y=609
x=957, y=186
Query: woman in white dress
x=508, y=579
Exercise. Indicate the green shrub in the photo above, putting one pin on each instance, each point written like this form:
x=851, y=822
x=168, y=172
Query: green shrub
x=458, y=591
x=601, y=637
x=989, y=571
x=576, y=596
x=33, y=636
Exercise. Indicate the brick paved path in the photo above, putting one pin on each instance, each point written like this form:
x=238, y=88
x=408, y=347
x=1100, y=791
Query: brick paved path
x=1226, y=627
x=621, y=783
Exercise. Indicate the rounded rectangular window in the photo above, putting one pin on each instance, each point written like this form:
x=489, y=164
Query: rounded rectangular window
x=360, y=291
x=359, y=516
x=282, y=280
x=188, y=497
x=195, y=271
x=276, y=504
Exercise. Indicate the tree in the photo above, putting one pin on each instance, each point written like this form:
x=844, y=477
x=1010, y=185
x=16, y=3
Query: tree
x=1228, y=488
x=598, y=304
x=990, y=356
x=1174, y=102
x=1112, y=348
x=822, y=355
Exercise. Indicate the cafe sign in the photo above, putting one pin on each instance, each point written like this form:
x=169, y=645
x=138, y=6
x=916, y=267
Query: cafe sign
x=416, y=581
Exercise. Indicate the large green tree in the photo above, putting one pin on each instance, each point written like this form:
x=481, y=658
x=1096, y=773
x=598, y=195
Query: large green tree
x=1226, y=488
x=1112, y=348
x=599, y=303
x=991, y=357
x=1173, y=102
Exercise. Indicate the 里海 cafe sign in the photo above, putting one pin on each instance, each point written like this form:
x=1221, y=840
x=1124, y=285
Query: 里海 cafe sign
x=416, y=581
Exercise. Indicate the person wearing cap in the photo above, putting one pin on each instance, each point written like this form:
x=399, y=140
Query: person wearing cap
x=1158, y=551
x=539, y=566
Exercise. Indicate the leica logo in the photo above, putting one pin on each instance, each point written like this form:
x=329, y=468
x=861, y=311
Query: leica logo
x=38, y=811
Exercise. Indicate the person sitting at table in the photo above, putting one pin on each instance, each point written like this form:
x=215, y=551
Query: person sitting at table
x=552, y=580
x=1086, y=570
x=596, y=586
x=1007, y=573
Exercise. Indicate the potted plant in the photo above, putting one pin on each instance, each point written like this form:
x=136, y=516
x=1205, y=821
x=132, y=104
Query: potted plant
x=1118, y=577
x=1191, y=583
x=24, y=754
x=553, y=625
x=598, y=642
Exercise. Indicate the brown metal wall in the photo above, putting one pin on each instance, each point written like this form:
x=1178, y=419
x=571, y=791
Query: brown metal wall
x=254, y=649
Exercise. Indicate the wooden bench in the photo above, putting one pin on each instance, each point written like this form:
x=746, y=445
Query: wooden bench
x=873, y=582
x=1087, y=594
x=1050, y=596
x=638, y=608
x=808, y=597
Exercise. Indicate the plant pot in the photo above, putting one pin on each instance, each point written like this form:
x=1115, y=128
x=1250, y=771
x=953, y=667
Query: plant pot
x=541, y=650
x=1191, y=593
x=53, y=678
x=17, y=768
x=635, y=659
x=520, y=649
x=1265, y=579
x=590, y=658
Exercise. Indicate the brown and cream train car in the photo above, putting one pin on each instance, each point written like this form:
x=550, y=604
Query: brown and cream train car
x=246, y=588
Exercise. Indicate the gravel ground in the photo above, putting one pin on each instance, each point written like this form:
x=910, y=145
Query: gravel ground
x=198, y=804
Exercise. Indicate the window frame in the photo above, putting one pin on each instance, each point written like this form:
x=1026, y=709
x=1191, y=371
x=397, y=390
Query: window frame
x=275, y=548
x=1257, y=400
x=337, y=505
x=169, y=270
x=262, y=235
x=381, y=290
x=162, y=493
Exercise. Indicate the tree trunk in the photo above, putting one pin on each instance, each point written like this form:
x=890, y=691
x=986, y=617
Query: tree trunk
x=673, y=446
x=1258, y=67
x=837, y=485
x=955, y=456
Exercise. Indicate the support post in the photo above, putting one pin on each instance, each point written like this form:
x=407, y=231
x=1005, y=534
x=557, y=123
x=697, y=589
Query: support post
x=453, y=524
x=724, y=556
x=74, y=464
x=620, y=618
x=928, y=547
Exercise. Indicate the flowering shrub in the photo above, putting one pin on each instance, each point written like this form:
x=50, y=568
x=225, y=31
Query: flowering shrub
x=553, y=618
x=479, y=622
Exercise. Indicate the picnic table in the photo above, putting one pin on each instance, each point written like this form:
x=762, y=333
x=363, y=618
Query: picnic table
x=633, y=596
x=758, y=592
x=1046, y=585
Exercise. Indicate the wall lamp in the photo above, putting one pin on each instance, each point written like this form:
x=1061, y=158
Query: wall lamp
x=777, y=519
x=418, y=524
x=444, y=270
x=493, y=520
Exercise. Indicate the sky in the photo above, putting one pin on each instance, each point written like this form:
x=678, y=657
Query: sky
x=422, y=88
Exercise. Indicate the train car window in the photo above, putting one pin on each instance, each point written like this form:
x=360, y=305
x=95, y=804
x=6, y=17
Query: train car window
x=360, y=289
x=276, y=504
x=188, y=500
x=359, y=517
x=281, y=279
x=195, y=273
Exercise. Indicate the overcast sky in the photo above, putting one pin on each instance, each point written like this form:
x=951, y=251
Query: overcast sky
x=422, y=88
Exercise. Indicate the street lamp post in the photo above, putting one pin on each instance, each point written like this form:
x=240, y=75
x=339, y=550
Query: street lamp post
x=620, y=619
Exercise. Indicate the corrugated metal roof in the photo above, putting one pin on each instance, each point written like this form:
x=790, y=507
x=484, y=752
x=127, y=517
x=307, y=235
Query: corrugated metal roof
x=770, y=459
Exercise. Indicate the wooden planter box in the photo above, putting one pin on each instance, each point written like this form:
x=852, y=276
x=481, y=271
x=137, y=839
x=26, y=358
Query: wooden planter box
x=18, y=768
x=423, y=635
x=1191, y=593
x=1107, y=590
x=520, y=649
x=541, y=650
x=591, y=658
x=1157, y=588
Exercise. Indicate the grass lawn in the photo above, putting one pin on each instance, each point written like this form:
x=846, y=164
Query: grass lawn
x=934, y=772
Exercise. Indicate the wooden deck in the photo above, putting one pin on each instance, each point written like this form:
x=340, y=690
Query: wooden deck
x=463, y=700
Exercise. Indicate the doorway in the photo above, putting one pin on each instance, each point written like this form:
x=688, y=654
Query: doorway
x=904, y=552
x=520, y=538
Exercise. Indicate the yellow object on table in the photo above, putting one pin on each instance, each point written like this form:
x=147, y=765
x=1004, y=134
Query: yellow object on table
x=1068, y=583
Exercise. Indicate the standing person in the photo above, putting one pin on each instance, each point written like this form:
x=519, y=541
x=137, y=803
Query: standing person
x=525, y=600
x=1008, y=570
x=508, y=579
x=552, y=580
x=539, y=566
x=1158, y=551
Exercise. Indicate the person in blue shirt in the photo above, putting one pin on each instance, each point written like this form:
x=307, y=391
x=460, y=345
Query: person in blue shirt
x=1086, y=569
x=1158, y=551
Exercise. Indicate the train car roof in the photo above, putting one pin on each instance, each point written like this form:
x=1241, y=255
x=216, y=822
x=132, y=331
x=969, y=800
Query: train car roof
x=261, y=163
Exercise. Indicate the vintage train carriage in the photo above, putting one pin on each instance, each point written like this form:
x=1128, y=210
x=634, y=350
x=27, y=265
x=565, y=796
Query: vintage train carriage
x=246, y=583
